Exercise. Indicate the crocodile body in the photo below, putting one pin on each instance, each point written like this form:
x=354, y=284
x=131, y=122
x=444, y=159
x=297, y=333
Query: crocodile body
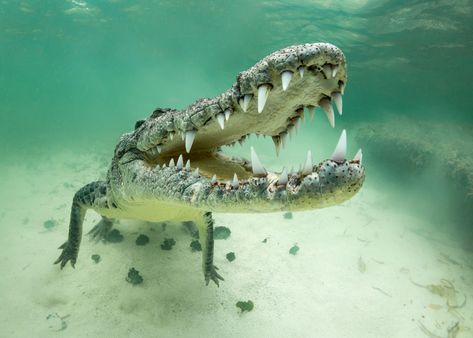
x=171, y=166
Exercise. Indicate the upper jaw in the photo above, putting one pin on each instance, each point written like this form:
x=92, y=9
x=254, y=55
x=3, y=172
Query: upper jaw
x=266, y=99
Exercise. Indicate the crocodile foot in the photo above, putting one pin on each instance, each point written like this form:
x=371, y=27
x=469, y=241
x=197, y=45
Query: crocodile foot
x=69, y=253
x=212, y=274
x=100, y=231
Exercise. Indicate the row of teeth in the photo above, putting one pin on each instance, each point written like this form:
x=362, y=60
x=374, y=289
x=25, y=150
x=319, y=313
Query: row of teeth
x=339, y=155
x=263, y=94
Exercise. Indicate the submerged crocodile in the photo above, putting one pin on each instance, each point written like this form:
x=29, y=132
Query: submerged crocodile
x=171, y=166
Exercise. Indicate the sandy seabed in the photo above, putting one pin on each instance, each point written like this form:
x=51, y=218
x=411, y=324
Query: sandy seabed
x=364, y=269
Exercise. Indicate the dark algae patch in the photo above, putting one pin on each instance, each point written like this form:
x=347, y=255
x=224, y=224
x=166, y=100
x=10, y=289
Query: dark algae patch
x=287, y=215
x=294, y=249
x=142, y=240
x=221, y=232
x=195, y=246
x=114, y=236
x=245, y=306
x=134, y=277
x=230, y=256
x=168, y=243
x=50, y=224
x=95, y=258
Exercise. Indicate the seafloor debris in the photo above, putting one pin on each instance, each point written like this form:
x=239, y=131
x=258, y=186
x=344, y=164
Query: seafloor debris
x=245, y=306
x=134, y=277
x=361, y=265
x=452, y=330
x=50, y=224
x=142, y=240
x=95, y=258
x=265, y=240
x=447, y=290
x=294, y=249
x=231, y=256
x=168, y=243
x=195, y=246
x=221, y=232
x=114, y=236
x=56, y=322
x=287, y=215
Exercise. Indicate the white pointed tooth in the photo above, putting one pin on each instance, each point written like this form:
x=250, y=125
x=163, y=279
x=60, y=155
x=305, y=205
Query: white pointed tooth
x=164, y=165
x=307, y=168
x=188, y=164
x=297, y=124
x=290, y=129
x=286, y=77
x=256, y=166
x=190, y=135
x=334, y=70
x=337, y=98
x=180, y=162
x=327, y=71
x=235, y=182
x=159, y=149
x=263, y=93
x=221, y=120
x=227, y=114
x=358, y=156
x=245, y=102
x=283, y=136
x=277, y=143
x=326, y=105
x=171, y=163
x=214, y=179
x=340, y=151
x=282, y=180
x=342, y=87
x=311, y=110
x=171, y=135
x=196, y=173
x=301, y=70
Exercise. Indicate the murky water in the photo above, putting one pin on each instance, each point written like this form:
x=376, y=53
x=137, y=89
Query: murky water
x=75, y=75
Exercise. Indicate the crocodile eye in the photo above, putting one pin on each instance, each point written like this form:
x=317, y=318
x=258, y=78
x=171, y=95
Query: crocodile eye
x=139, y=123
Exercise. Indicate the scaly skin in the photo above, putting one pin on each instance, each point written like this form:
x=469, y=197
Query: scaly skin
x=141, y=186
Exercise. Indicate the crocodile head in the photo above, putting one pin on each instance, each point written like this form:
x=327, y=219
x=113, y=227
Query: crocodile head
x=268, y=99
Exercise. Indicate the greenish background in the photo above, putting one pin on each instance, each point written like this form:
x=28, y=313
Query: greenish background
x=77, y=74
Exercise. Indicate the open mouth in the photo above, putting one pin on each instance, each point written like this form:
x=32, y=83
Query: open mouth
x=269, y=99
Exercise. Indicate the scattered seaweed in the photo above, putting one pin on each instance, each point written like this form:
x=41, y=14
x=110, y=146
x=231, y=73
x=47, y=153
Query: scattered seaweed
x=294, y=249
x=245, y=306
x=96, y=258
x=168, y=243
x=195, y=246
x=287, y=215
x=142, y=240
x=134, y=277
x=230, y=256
x=113, y=236
x=50, y=224
x=221, y=232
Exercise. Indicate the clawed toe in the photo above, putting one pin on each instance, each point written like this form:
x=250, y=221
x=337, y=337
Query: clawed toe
x=68, y=254
x=213, y=275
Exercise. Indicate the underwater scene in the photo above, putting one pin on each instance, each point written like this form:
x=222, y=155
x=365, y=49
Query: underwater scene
x=286, y=168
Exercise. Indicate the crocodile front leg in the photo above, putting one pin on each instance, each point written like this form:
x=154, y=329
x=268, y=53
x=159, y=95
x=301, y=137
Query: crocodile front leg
x=91, y=195
x=206, y=238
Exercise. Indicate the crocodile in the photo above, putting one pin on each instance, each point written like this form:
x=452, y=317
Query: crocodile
x=172, y=168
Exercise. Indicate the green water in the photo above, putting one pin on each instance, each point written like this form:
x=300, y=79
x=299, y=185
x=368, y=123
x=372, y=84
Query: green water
x=75, y=75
